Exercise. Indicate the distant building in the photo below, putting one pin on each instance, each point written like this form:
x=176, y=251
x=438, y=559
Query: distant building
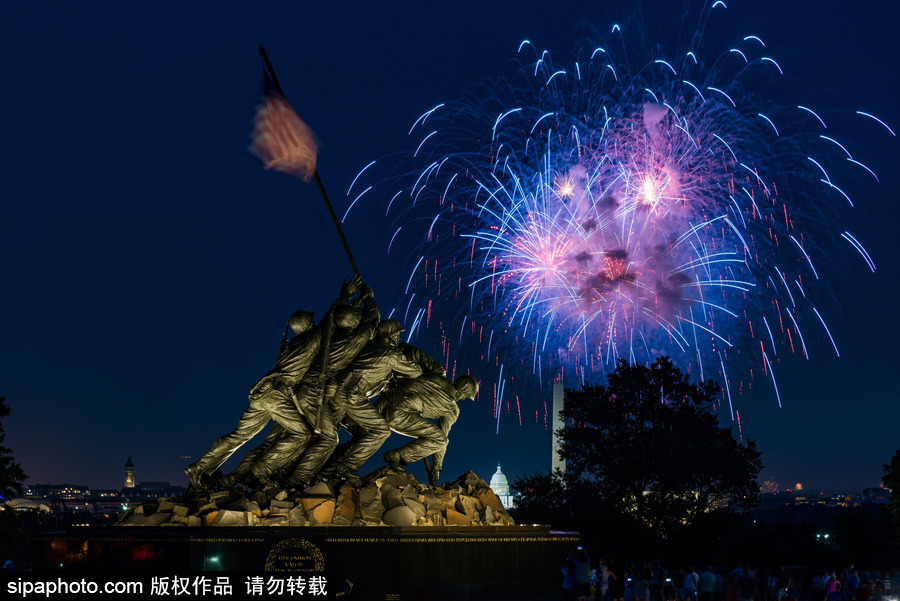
x=844, y=499
x=777, y=500
x=877, y=495
x=129, y=474
x=25, y=504
x=72, y=497
x=500, y=486
x=57, y=492
x=81, y=498
x=809, y=499
x=152, y=490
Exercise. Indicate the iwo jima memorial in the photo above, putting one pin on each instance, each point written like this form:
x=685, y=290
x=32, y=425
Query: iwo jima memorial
x=295, y=504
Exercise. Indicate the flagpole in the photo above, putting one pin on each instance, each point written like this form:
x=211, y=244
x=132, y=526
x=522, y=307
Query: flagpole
x=334, y=219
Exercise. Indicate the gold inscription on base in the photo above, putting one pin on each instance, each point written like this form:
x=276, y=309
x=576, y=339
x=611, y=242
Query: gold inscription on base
x=295, y=555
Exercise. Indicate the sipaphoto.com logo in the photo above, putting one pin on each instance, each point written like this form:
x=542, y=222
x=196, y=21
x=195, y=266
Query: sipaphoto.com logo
x=62, y=588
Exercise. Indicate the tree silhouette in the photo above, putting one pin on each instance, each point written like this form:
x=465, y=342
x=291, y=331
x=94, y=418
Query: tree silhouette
x=647, y=449
x=12, y=478
x=891, y=480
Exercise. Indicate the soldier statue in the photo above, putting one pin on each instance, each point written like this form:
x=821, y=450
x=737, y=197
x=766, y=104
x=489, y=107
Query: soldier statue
x=273, y=398
x=365, y=378
x=270, y=399
x=408, y=409
x=352, y=327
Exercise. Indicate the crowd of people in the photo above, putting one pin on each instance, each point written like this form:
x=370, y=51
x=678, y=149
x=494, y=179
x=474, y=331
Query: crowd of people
x=596, y=580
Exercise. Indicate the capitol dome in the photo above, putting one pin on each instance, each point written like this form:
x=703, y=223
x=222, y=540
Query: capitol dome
x=500, y=486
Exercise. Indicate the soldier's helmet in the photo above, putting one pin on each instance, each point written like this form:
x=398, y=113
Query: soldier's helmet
x=467, y=386
x=301, y=321
x=347, y=317
x=389, y=327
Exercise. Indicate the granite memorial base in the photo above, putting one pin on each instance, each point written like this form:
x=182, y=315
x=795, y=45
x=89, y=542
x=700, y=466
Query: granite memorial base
x=372, y=563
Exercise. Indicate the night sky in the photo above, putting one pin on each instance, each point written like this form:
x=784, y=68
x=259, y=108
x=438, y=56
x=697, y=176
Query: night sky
x=149, y=262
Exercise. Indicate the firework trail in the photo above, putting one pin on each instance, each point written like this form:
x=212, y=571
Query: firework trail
x=568, y=216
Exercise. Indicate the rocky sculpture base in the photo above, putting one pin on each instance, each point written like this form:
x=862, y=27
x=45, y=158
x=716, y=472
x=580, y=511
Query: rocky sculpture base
x=383, y=498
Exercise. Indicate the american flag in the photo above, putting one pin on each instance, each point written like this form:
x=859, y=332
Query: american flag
x=280, y=139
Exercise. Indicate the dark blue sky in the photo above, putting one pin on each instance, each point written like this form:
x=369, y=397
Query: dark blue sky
x=148, y=261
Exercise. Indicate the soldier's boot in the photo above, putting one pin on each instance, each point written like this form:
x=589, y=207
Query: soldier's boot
x=264, y=478
x=393, y=459
x=196, y=476
x=434, y=472
x=352, y=479
x=228, y=481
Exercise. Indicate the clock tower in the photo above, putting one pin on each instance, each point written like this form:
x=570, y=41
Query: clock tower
x=129, y=474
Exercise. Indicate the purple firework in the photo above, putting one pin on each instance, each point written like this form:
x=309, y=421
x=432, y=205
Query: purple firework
x=568, y=216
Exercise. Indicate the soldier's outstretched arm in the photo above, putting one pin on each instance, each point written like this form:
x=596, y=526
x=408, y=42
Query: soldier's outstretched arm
x=348, y=291
x=370, y=313
x=356, y=340
x=403, y=366
x=446, y=421
x=423, y=359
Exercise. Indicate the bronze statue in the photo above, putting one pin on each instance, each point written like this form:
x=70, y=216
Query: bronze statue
x=408, y=409
x=362, y=380
x=270, y=399
x=325, y=377
x=274, y=398
x=422, y=359
x=352, y=327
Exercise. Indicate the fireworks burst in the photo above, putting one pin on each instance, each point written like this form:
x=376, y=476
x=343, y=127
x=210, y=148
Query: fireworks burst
x=586, y=213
